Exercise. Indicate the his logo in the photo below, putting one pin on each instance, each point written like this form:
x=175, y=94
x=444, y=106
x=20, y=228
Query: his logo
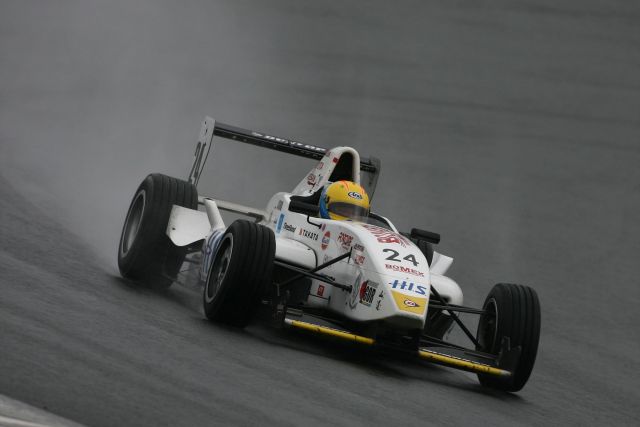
x=409, y=286
x=325, y=240
x=355, y=195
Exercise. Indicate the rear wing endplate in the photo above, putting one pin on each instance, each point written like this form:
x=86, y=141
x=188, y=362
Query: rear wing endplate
x=211, y=128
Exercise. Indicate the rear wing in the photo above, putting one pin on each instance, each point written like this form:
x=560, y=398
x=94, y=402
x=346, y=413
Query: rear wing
x=211, y=128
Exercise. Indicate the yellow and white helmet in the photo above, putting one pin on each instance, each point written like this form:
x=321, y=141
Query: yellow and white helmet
x=344, y=200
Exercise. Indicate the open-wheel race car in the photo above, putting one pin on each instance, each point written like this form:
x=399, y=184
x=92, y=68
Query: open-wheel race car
x=359, y=280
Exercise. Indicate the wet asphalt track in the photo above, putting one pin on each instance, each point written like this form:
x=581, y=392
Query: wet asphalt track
x=512, y=128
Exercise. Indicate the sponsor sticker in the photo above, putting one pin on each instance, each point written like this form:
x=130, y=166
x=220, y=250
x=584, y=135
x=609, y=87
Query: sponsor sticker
x=410, y=303
x=325, y=240
x=289, y=227
x=355, y=195
x=280, y=221
x=311, y=179
x=308, y=234
x=415, y=305
x=345, y=240
x=410, y=286
x=320, y=291
x=358, y=259
x=367, y=292
x=386, y=236
x=402, y=269
x=279, y=206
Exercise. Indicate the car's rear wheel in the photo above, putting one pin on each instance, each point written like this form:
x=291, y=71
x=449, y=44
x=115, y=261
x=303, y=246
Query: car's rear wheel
x=240, y=273
x=145, y=252
x=513, y=312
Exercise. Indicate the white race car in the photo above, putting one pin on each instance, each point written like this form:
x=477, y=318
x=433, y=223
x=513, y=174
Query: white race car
x=360, y=281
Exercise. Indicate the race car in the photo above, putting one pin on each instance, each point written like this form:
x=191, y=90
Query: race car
x=352, y=278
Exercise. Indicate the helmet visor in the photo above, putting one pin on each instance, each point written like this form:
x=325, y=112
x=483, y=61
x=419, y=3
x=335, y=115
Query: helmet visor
x=348, y=210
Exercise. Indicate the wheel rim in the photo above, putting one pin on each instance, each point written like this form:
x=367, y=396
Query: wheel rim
x=133, y=222
x=219, y=269
x=488, y=326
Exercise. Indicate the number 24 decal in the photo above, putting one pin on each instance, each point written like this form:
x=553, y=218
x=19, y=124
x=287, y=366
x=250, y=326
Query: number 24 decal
x=395, y=254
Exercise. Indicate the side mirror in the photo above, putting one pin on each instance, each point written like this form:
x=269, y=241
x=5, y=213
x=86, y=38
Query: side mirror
x=304, y=208
x=428, y=236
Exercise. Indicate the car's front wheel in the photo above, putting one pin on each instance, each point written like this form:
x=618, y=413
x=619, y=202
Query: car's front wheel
x=513, y=312
x=240, y=273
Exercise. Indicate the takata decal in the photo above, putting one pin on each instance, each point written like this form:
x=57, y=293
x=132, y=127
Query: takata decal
x=386, y=236
x=280, y=221
x=401, y=269
x=367, y=292
x=308, y=234
x=345, y=240
x=325, y=240
x=355, y=195
x=410, y=286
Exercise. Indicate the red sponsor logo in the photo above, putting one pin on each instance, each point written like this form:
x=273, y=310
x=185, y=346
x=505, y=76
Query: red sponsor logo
x=358, y=259
x=320, y=290
x=345, y=240
x=325, y=240
x=386, y=236
x=410, y=303
x=402, y=269
x=311, y=179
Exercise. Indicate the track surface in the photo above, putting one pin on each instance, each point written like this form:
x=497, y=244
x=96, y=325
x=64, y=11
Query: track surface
x=512, y=128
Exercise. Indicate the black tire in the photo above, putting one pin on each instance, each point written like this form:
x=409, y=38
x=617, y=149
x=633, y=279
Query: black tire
x=514, y=313
x=145, y=252
x=240, y=273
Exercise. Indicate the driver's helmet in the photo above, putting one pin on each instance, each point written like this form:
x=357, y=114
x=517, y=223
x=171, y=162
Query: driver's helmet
x=344, y=200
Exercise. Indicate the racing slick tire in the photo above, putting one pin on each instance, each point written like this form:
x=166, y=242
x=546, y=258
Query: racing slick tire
x=513, y=312
x=145, y=252
x=240, y=273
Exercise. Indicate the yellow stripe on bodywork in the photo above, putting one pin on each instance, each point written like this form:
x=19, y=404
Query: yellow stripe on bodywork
x=467, y=365
x=329, y=331
x=431, y=356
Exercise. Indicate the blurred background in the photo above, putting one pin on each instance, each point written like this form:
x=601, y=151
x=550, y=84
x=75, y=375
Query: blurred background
x=510, y=127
